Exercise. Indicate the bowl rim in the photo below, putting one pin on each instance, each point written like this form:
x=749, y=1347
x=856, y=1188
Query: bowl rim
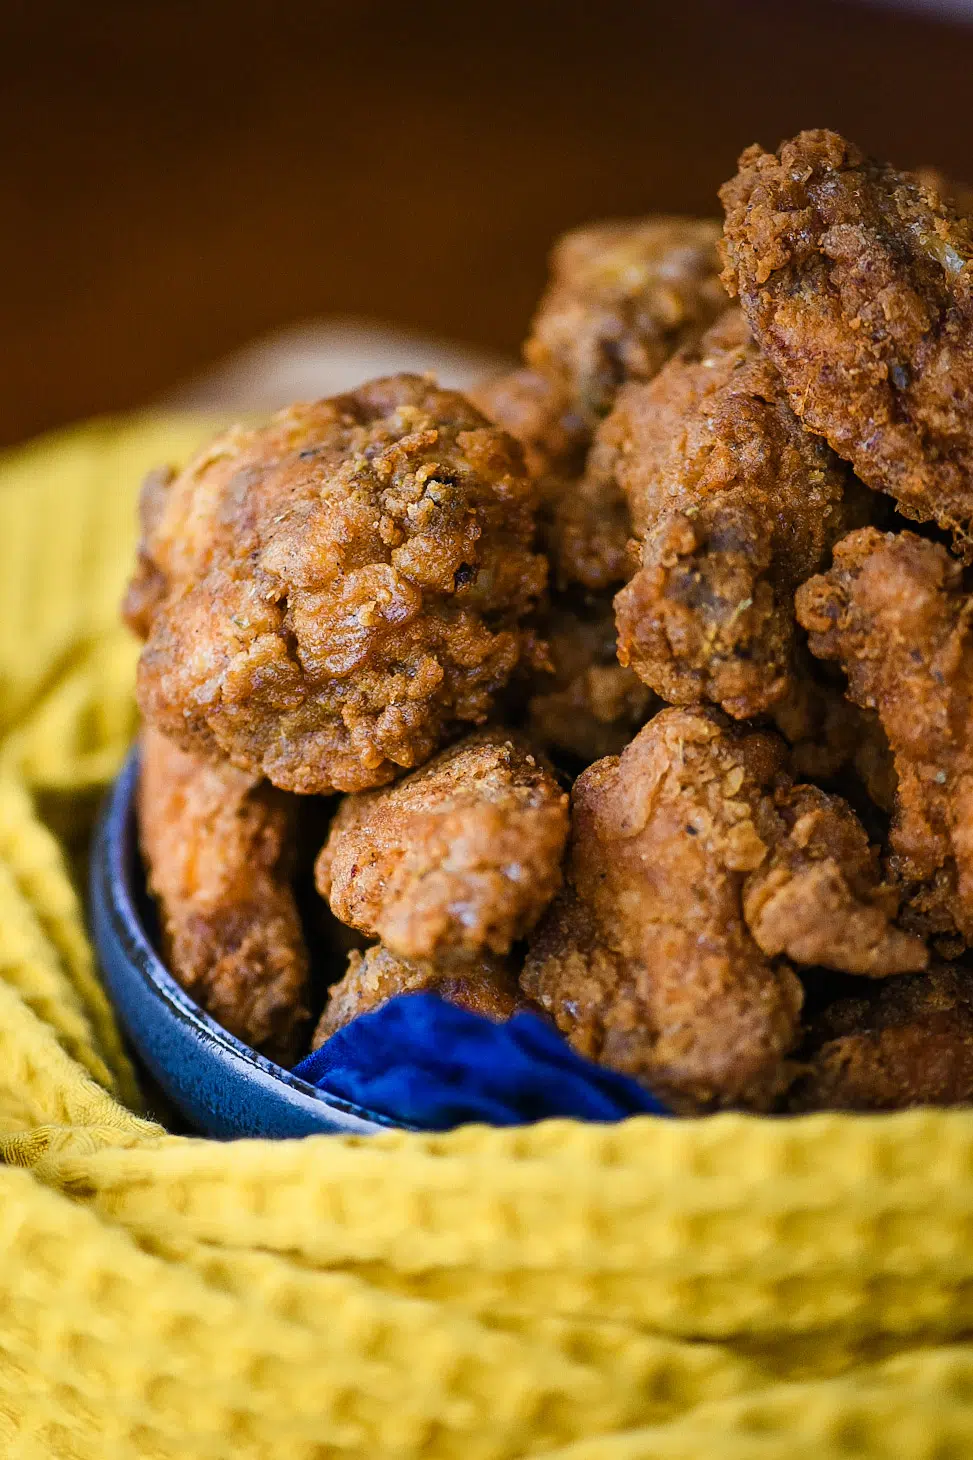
x=115, y=864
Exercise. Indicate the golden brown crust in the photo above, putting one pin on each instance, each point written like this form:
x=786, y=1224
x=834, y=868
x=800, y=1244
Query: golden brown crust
x=827, y=733
x=149, y=585
x=532, y=409
x=622, y=297
x=583, y=522
x=457, y=859
x=583, y=518
x=344, y=587
x=586, y=705
x=486, y=987
x=735, y=506
x=645, y=961
x=218, y=845
x=695, y=871
x=819, y=897
x=893, y=612
x=910, y=1043
x=857, y=282
x=590, y=536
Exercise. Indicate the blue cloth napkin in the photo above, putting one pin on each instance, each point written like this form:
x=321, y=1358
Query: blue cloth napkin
x=427, y=1063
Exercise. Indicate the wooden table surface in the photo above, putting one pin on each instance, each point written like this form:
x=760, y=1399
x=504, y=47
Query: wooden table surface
x=176, y=177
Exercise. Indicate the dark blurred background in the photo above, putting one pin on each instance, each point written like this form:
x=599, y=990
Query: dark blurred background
x=177, y=177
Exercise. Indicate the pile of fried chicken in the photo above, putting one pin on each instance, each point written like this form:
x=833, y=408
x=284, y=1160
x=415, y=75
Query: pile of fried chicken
x=618, y=689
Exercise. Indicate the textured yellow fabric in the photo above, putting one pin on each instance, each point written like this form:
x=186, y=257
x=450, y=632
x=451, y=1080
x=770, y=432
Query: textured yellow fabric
x=726, y=1289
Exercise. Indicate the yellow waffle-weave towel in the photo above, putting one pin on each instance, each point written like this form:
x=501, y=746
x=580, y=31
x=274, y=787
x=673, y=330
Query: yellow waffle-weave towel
x=725, y=1289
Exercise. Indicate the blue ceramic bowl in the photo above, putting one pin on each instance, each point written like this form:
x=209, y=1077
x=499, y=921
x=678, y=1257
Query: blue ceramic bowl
x=222, y=1086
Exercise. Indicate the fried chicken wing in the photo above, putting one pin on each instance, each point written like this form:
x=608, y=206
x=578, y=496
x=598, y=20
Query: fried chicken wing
x=586, y=705
x=735, y=505
x=218, y=845
x=857, y=282
x=486, y=986
x=648, y=960
x=343, y=589
x=910, y=1043
x=893, y=612
x=456, y=860
x=622, y=296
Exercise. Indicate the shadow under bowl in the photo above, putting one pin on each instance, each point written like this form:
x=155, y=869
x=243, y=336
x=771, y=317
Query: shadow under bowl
x=218, y=1083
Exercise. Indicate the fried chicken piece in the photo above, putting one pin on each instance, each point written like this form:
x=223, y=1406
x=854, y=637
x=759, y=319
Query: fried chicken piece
x=583, y=522
x=827, y=733
x=587, y=706
x=456, y=860
x=535, y=411
x=622, y=297
x=449, y=867
x=646, y=960
x=735, y=506
x=909, y=1044
x=857, y=282
x=149, y=585
x=819, y=897
x=344, y=588
x=892, y=611
x=486, y=986
x=219, y=849
x=874, y=762
x=589, y=541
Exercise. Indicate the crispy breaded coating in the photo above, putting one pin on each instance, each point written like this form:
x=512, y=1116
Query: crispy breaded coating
x=893, y=612
x=735, y=505
x=533, y=409
x=819, y=897
x=218, y=847
x=458, y=859
x=827, y=733
x=149, y=585
x=587, y=705
x=857, y=282
x=486, y=986
x=589, y=541
x=344, y=588
x=910, y=1043
x=645, y=961
x=583, y=521
x=622, y=297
